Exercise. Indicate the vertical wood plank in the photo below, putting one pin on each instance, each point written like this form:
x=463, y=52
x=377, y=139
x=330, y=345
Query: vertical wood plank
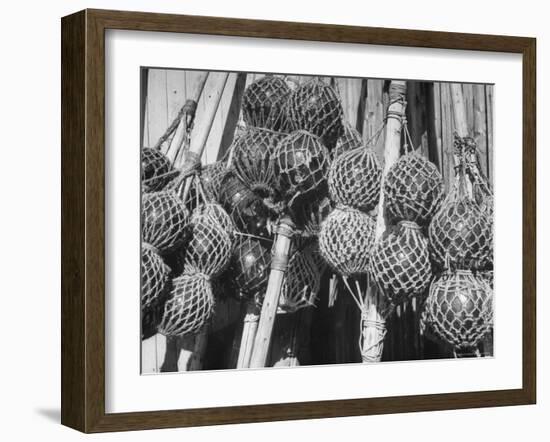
x=214, y=138
x=176, y=92
x=468, y=93
x=447, y=128
x=349, y=90
x=480, y=125
x=157, y=104
x=435, y=145
x=233, y=115
x=148, y=355
x=489, y=96
x=144, y=128
x=374, y=114
x=417, y=116
x=156, y=120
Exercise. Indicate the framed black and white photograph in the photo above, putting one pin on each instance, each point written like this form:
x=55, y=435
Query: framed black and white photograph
x=284, y=221
x=381, y=188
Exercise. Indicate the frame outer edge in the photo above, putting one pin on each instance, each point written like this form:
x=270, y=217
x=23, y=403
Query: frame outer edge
x=73, y=132
x=83, y=217
x=529, y=220
x=95, y=222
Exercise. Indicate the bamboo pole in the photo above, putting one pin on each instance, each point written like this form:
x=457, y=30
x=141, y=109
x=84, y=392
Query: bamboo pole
x=216, y=84
x=183, y=120
x=374, y=314
x=250, y=328
x=279, y=264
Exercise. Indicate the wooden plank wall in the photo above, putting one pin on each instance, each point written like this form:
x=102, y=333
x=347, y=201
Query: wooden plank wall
x=332, y=333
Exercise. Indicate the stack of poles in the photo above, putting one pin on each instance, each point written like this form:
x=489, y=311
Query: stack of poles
x=279, y=263
x=249, y=330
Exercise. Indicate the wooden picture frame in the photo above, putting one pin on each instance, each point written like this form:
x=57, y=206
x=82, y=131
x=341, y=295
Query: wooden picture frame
x=83, y=219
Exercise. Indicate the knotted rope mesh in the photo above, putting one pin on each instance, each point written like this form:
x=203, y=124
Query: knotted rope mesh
x=189, y=305
x=250, y=266
x=349, y=140
x=217, y=214
x=315, y=107
x=301, y=283
x=253, y=155
x=346, y=238
x=209, y=248
x=246, y=209
x=264, y=103
x=488, y=276
x=400, y=262
x=355, y=179
x=301, y=165
x=211, y=178
x=413, y=190
x=461, y=235
x=312, y=248
x=154, y=277
x=163, y=220
x=459, y=309
x=156, y=170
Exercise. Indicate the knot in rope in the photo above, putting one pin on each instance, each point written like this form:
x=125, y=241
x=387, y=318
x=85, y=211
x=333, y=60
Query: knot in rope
x=191, y=164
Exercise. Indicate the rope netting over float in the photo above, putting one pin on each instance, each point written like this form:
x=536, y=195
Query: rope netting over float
x=299, y=194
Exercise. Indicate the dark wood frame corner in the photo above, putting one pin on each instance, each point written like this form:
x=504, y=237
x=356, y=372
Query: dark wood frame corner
x=83, y=216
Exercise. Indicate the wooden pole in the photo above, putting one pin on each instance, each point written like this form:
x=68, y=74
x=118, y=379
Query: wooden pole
x=250, y=328
x=279, y=264
x=214, y=88
x=392, y=143
x=182, y=119
x=461, y=122
x=374, y=316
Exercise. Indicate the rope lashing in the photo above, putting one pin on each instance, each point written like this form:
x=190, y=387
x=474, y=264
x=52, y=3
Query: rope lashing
x=280, y=262
x=367, y=353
